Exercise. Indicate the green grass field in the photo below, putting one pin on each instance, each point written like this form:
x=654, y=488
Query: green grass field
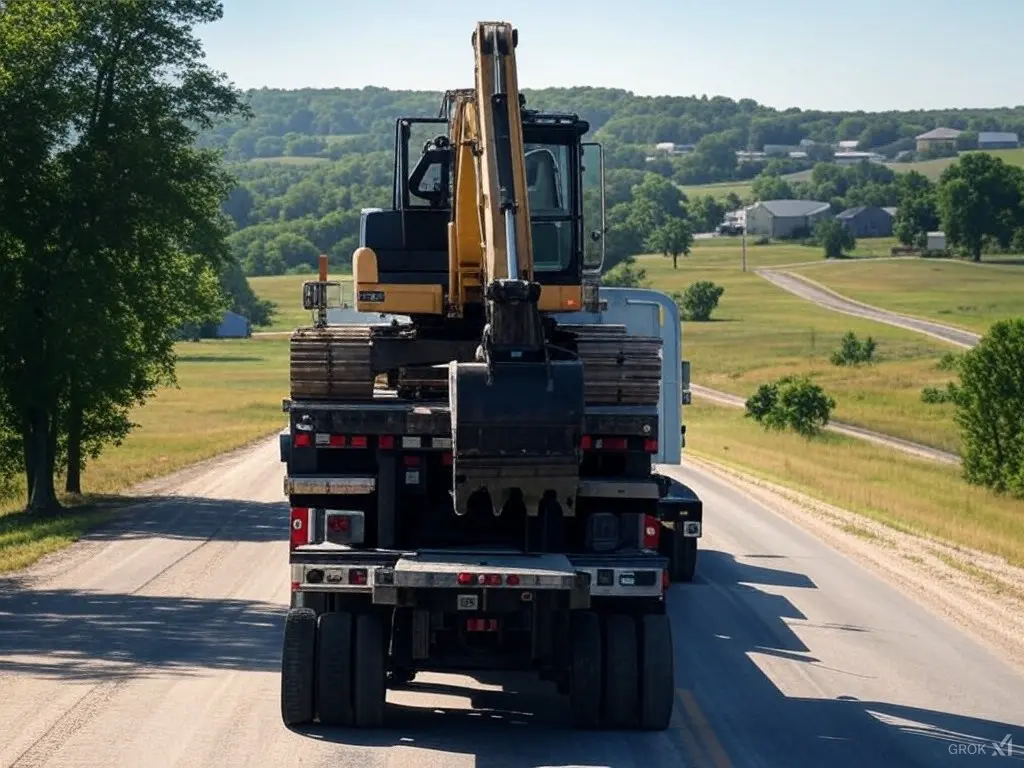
x=934, y=168
x=760, y=332
x=954, y=292
x=906, y=493
x=286, y=292
x=229, y=395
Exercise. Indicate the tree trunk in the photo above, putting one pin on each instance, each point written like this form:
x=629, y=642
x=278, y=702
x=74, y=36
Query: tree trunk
x=26, y=442
x=976, y=254
x=73, y=483
x=42, y=496
x=675, y=261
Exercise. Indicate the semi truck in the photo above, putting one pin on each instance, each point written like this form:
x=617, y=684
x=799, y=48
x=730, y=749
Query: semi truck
x=471, y=455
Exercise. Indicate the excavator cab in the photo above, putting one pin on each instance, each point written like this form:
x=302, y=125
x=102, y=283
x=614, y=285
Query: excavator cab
x=402, y=264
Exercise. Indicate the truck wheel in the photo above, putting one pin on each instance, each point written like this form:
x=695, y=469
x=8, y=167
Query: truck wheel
x=657, y=672
x=298, y=665
x=369, y=688
x=585, y=680
x=684, y=557
x=334, y=669
x=621, y=676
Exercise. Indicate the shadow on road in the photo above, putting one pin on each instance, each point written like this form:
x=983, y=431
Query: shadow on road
x=193, y=517
x=80, y=635
x=730, y=615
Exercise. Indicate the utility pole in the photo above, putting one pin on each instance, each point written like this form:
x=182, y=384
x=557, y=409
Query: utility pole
x=743, y=242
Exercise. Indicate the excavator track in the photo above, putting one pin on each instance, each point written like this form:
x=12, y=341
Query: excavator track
x=332, y=363
x=336, y=363
x=618, y=369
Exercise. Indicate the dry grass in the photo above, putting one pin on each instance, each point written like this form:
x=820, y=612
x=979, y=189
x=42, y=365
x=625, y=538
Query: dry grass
x=230, y=394
x=760, y=332
x=953, y=292
x=909, y=494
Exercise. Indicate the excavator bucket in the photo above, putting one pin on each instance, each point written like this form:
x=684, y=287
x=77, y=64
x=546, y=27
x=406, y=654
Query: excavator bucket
x=516, y=429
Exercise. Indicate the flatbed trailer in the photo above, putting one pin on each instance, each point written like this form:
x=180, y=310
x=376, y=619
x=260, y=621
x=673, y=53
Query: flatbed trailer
x=387, y=581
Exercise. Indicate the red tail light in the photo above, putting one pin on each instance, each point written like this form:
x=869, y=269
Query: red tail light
x=300, y=525
x=337, y=441
x=613, y=443
x=586, y=443
x=386, y=442
x=302, y=440
x=651, y=445
x=652, y=532
x=358, y=441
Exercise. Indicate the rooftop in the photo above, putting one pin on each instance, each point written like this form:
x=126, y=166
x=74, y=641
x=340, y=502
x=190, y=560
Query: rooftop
x=993, y=136
x=788, y=208
x=940, y=133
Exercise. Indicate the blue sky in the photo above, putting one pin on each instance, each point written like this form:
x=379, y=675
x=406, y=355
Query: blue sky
x=859, y=54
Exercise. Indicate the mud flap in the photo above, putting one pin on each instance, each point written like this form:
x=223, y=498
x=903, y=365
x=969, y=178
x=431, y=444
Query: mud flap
x=516, y=429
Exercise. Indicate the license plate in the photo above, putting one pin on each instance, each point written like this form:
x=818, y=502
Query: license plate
x=467, y=602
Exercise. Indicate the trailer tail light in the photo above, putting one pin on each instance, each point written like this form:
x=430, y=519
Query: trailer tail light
x=344, y=526
x=612, y=444
x=652, y=532
x=302, y=440
x=357, y=576
x=386, y=442
x=359, y=441
x=481, y=625
x=586, y=443
x=651, y=445
x=336, y=441
x=466, y=579
x=302, y=530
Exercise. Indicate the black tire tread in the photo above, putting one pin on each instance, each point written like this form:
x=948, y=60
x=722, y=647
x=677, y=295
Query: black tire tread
x=621, y=673
x=657, y=672
x=369, y=686
x=334, y=669
x=585, y=679
x=298, y=667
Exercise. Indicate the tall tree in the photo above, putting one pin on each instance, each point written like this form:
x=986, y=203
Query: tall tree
x=672, y=239
x=126, y=245
x=980, y=198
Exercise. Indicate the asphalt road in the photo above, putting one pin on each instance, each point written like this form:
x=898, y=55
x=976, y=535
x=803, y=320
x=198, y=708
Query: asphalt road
x=834, y=301
x=156, y=643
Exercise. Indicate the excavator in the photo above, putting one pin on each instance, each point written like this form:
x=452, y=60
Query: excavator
x=469, y=463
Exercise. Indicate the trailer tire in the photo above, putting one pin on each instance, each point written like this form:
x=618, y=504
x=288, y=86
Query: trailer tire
x=369, y=686
x=298, y=667
x=334, y=669
x=684, y=557
x=586, y=671
x=657, y=672
x=621, y=676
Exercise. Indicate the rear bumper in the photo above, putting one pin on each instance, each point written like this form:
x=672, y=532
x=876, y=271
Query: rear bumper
x=385, y=575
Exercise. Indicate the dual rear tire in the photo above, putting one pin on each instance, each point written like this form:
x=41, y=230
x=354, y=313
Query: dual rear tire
x=622, y=674
x=333, y=669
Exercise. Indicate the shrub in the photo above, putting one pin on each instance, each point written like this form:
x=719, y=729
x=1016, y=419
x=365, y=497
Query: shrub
x=791, y=402
x=853, y=351
x=933, y=395
x=699, y=300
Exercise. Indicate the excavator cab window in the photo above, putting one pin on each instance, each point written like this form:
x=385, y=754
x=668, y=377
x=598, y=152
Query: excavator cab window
x=551, y=205
x=423, y=163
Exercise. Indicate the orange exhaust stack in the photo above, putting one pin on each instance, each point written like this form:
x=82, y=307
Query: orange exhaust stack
x=323, y=267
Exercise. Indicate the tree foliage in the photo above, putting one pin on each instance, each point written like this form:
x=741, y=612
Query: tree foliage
x=673, y=238
x=111, y=233
x=981, y=199
x=791, y=403
x=989, y=401
x=310, y=159
x=834, y=238
x=698, y=300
